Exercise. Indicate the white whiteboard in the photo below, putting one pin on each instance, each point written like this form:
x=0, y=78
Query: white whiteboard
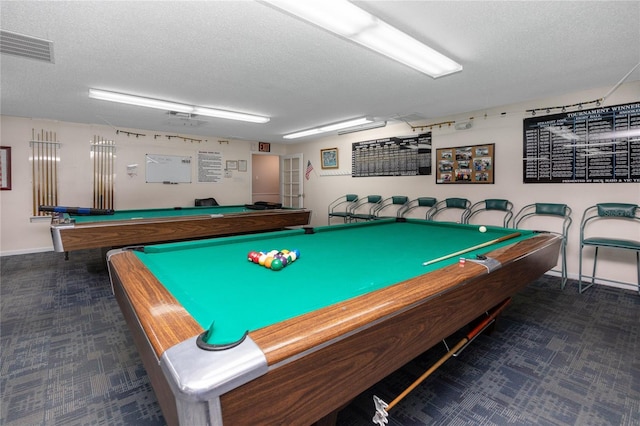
x=168, y=168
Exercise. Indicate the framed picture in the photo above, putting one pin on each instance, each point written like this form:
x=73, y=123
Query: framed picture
x=232, y=165
x=242, y=165
x=5, y=167
x=329, y=158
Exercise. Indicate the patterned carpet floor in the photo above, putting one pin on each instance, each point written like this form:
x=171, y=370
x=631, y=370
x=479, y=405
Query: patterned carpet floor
x=556, y=357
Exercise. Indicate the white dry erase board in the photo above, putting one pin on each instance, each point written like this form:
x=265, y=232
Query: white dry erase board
x=168, y=168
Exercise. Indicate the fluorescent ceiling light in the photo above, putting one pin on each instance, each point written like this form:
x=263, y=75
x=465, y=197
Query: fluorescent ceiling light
x=329, y=128
x=174, y=106
x=347, y=20
x=374, y=125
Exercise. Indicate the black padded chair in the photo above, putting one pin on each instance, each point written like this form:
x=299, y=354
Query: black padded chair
x=391, y=207
x=206, y=202
x=494, y=207
x=421, y=204
x=341, y=207
x=559, y=212
x=616, y=214
x=461, y=204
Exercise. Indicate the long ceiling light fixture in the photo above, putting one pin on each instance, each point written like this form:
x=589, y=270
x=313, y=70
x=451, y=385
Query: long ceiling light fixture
x=347, y=20
x=174, y=106
x=329, y=128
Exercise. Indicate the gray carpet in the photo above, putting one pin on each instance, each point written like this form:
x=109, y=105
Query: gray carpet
x=555, y=358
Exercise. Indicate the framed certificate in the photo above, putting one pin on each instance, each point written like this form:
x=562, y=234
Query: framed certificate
x=5, y=167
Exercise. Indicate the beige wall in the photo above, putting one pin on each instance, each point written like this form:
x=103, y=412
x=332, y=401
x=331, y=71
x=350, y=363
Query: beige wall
x=501, y=126
x=506, y=132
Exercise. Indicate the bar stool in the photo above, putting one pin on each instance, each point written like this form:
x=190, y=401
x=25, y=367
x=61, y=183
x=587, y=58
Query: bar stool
x=341, y=207
x=612, y=213
x=497, y=207
x=550, y=210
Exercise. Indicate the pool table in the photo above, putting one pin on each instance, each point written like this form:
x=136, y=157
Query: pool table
x=301, y=342
x=145, y=226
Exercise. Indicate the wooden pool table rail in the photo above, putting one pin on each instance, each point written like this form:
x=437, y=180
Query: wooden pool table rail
x=82, y=236
x=322, y=359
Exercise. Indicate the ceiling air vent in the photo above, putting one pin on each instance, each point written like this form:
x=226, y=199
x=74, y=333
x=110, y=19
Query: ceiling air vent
x=26, y=46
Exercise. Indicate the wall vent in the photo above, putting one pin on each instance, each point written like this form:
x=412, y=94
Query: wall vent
x=26, y=46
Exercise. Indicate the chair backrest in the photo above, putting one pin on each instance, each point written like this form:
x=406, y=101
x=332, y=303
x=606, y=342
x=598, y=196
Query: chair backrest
x=609, y=213
x=547, y=210
x=391, y=206
x=343, y=203
x=366, y=206
x=206, y=202
x=420, y=203
x=341, y=207
x=488, y=208
x=461, y=204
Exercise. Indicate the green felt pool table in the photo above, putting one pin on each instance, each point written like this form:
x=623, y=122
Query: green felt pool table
x=355, y=306
x=145, y=226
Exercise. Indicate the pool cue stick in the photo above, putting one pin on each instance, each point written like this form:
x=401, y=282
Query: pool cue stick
x=55, y=169
x=112, y=162
x=103, y=165
x=95, y=177
x=476, y=247
x=100, y=172
x=33, y=171
x=466, y=339
x=46, y=168
x=39, y=170
x=99, y=154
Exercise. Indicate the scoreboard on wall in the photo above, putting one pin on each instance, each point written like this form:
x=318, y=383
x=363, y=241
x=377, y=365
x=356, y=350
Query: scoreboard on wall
x=395, y=156
x=600, y=145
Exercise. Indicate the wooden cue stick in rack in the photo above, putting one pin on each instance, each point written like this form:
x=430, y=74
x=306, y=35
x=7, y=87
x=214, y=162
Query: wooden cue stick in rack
x=476, y=247
x=33, y=171
x=46, y=169
x=93, y=150
x=39, y=171
x=55, y=169
x=470, y=336
x=111, y=175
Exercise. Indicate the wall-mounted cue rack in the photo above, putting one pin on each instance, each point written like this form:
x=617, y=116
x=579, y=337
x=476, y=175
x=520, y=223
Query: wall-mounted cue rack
x=599, y=145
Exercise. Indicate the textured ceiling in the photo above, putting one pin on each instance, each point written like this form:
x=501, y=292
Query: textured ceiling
x=246, y=56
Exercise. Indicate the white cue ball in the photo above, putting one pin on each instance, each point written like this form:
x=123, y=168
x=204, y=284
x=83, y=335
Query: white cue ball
x=482, y=229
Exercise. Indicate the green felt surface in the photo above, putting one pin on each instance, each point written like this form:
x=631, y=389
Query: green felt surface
x=159, y=213
x=215, y=282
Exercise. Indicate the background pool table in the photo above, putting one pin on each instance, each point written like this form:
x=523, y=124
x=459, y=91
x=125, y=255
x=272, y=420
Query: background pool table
x=356, y=305
x=128, y=227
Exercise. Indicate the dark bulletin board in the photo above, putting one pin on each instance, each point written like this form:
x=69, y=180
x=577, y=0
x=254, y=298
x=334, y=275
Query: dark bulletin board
x=395, y=156
x=466, y=164
x=599, y=145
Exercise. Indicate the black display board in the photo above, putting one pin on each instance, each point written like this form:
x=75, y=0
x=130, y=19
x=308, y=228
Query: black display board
x=396, y=156
x=600, y=145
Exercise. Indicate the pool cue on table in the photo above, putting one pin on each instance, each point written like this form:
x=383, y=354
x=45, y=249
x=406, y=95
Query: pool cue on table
x=476, y=247
x=382, y=408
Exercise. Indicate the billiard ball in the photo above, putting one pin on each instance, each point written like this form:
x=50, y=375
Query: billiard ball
x=276, y=265
x=482, y=229
x=262, y=259
x=253, y=256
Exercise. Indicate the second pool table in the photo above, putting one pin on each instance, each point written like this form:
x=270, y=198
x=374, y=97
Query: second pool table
x=145, y=226
x=355, y=306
